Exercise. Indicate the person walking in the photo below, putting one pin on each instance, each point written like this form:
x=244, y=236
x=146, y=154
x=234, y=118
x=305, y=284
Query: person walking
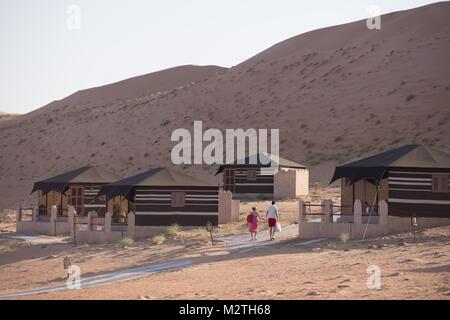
x=272, y=219
x=253, y=220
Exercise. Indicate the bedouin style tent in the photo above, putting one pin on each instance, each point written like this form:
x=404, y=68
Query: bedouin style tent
x=77, y=188
x=162, y=197
x=413, y=179
x=244, y=176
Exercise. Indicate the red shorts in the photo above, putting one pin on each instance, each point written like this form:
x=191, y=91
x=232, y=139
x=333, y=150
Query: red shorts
x=272, y=222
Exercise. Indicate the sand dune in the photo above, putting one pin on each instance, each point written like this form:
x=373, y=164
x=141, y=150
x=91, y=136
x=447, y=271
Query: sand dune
x=7, y=116
x=336, y=94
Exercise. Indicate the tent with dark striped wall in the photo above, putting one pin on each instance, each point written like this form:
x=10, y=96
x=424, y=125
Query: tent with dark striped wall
x=414, y=179
x=78, y=188
x=163, y=197
x=244, y=176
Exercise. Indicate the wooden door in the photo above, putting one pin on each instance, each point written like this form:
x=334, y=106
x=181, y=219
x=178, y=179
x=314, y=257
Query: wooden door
x=77, y=199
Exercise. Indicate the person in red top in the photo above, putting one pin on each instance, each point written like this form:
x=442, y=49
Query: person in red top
x=253, y=220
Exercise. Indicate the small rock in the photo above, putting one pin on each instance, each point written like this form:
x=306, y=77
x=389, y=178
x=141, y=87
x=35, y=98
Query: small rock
x=343, y=286
x=395, y=274
x=50, y=257
x=313, y=293
x=346, y=249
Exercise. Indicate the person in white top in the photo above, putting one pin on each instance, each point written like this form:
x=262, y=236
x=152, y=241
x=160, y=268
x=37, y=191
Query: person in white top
x=272, y=219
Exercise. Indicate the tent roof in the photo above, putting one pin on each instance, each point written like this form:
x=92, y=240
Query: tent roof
x=157, y=177
x=262, y=160
x=408, y=156
x=84, y=175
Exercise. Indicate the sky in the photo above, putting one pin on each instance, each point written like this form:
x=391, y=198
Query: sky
x=50, y=49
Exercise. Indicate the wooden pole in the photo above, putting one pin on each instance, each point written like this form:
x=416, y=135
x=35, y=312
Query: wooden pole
x=212, y=239
x=74, y=230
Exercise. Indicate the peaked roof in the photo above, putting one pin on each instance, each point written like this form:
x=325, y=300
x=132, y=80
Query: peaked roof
x=88, y=174
x=157, y=177
x=262, y=159
x=408, y=156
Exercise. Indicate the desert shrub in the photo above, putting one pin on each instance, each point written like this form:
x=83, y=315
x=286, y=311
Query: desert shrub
x=173, y=230
x=158, y=239
x=126, y=242
x=410, y=97
x=344, y=237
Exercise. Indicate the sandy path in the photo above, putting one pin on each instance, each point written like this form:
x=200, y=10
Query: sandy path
x=104, y=279
x=290, y=270
x=233, y=243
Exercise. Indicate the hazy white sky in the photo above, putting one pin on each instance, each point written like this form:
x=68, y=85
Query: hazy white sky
x=42, y=60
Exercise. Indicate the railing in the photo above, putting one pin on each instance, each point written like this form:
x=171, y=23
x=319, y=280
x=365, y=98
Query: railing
x=97, y=224
x=342, y=213
x=42, y=211
x=99, y=210
x=314, y=211
x=81, y=223
x=340, y=210
x=119, y=220
x=370, y=210
x=63, y=212
x=26, y=214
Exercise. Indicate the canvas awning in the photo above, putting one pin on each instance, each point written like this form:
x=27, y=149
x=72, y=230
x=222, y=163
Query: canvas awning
x=262, y=160
x=157, y=177
x=375, y=167
x=84, y=175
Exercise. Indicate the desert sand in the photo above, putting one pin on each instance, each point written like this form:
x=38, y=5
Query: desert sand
x=286, y=269
x=335, y=94
x=7, y=116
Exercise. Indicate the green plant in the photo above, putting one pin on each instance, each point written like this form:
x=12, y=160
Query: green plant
x=260, y=197
x=173, y=230
x=126, y=242
x=158, y=239
x=344, y=237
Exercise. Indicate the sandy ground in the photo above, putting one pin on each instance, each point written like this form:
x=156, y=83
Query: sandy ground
x=7, y=221
x=286, y=269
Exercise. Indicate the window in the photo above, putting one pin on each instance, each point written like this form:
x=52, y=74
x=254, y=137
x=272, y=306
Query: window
x=178, y=199
x=251, y=175
x=228, y=180
x=440, y=183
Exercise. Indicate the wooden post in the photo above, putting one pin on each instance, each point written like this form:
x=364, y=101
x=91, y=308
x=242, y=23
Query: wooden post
x=131, y=225
x=209, y=227
x=18, y=214
x=35, y=213
x=414, y=225
x=53, y=218
x=72, y=216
